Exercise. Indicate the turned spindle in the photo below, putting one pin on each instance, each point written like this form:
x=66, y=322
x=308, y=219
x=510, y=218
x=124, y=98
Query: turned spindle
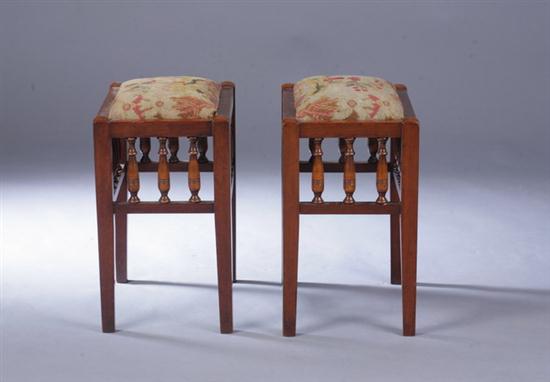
x=349, y=171
x=373, y=150
x=193, y=172
x=173, y=146
x=203, y=148
x=382, y=172
x=163, y=172
x=317, y=173
x=342, y=147
x=132, y=171
x=145, y=147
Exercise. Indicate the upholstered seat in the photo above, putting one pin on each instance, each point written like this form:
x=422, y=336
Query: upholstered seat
x=346, y=98
x=169, y=98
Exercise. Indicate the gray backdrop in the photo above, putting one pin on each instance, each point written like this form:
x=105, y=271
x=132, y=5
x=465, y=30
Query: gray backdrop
x=478, y=74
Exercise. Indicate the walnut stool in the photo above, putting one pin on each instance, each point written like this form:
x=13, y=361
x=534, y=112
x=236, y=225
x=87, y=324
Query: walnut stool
x=351, y=107
x=166, y=108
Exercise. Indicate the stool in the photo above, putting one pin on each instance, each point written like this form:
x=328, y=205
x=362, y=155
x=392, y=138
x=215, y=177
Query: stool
x=166, y=108
x=351, y=107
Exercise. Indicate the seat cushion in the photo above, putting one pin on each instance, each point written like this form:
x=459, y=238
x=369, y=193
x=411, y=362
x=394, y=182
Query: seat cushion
x=346, y=98
x=160, y=98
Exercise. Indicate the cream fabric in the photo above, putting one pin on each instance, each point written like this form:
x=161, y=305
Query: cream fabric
x=161, y=98
x=346, y=98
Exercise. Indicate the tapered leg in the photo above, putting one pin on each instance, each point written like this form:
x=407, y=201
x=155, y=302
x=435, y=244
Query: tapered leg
x=121, y=224
x=291, y=218
x=409, y=216
x=395, y=240
x=104, y=189
x=121, y=230
x=395, y=224
x=222, y=212
x=234, y=228
x=234, y=195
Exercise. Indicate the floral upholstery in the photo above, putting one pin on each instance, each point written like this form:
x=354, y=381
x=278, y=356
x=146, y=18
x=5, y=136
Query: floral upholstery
x=165, y=98
x=346, y=98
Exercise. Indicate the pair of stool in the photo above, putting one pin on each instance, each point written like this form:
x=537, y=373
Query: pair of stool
x=343, y=107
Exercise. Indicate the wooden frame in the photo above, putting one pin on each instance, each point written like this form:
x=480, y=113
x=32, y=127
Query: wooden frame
x=115, y=171
x=402, y=170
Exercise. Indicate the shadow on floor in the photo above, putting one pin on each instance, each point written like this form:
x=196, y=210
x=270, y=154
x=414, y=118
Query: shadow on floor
x=441, y=307
x=485, y=288
x=172, y=284
x=421, y=285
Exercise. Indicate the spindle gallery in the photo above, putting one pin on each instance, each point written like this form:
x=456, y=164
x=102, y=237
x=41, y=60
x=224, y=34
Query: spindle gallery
x=165, y=108
x=351, y=108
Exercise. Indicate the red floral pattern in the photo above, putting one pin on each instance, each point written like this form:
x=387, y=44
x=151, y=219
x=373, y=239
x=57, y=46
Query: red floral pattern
x=169, y=98
x=189, y=107
x=340, y=98
x=321, y=109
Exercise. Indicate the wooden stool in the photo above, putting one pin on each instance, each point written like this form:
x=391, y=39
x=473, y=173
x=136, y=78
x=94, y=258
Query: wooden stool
x=167, y=108
x=350, y=107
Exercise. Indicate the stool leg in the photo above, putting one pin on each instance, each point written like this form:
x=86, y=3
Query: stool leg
x=104, y=191
x=395, y=224
x=409, y=217
x=222, y=212
x=234, y=197
x=121, y=226
x=234, y=229
x=395, y=277
x=121, y=232
x=291, y=220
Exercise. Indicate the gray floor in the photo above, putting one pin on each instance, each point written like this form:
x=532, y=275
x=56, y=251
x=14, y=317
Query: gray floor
x=483, y=300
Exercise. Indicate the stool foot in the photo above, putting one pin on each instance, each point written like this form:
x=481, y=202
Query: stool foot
x=110, y=328
x=409, y=332
x=289, y=330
